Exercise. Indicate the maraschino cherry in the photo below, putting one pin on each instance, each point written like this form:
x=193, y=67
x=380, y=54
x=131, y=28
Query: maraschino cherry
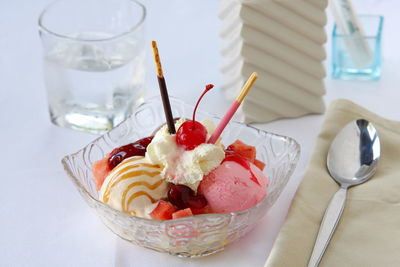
x=183, y=197
x=192, y=133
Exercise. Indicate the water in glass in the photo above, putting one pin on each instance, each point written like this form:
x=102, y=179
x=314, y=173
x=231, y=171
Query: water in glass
x=93, y=87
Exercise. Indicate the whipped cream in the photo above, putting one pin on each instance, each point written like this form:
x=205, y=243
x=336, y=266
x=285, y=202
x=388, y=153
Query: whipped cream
x=190, y=166
x=163, y=149
x=180, y=166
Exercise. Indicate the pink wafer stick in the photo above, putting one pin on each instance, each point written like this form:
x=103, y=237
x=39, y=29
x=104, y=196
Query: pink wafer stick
x=224, y=121
x=232, y=109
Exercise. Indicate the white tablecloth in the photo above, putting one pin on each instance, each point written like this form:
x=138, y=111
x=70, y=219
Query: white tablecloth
x=44, y=221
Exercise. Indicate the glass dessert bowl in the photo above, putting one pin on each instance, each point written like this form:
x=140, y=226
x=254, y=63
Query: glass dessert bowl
x=193, y=236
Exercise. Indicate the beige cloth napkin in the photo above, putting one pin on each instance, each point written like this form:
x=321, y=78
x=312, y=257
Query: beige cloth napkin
x=368, y=233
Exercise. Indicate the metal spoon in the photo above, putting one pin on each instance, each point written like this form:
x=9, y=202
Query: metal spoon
x=352, y=159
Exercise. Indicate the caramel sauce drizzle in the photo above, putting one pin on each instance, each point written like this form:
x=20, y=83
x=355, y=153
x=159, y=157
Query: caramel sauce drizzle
x=127, y=168
x=131, y=174
x=133, y=159
x=138, y=194
x=132, y=213
x=132, y=185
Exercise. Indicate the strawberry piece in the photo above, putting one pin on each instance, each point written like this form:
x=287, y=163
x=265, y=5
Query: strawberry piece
x=182, y=213
x=203, y=210
x=100, y=171
x=163, y=211
x=259, y=164
x=246, y=151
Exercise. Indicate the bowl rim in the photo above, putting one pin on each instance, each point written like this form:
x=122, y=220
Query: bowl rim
x=227, y=215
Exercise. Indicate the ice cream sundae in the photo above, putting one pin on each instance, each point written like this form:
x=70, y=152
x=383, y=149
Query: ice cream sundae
x=168, y=176
x=183, y=172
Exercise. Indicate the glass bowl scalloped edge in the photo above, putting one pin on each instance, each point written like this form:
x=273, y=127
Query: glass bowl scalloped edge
x=193, y=236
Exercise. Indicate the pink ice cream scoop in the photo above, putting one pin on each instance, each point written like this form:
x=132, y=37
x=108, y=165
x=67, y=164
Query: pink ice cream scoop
x=234, y=185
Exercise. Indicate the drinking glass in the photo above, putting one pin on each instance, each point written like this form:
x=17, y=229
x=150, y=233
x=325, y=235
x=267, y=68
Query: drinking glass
x=94, y=61
x=346, y=46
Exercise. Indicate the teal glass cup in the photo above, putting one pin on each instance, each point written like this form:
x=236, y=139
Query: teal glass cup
x=358, y=57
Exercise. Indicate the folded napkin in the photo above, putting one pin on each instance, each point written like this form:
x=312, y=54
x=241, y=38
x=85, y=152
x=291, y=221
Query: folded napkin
x=368, y=233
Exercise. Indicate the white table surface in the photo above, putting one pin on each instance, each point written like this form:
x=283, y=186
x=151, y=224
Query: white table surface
x=45, y=222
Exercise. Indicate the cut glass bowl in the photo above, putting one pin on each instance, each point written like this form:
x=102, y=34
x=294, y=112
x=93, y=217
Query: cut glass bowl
x=193, y=236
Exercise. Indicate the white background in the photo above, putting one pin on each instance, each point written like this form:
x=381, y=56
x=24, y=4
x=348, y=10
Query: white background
x=44, y=221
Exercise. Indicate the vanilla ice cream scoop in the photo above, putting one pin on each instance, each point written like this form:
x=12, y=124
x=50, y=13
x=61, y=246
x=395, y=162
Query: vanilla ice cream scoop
x=133, y=186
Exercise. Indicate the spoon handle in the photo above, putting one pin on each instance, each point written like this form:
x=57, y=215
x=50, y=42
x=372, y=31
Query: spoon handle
x=328, y=226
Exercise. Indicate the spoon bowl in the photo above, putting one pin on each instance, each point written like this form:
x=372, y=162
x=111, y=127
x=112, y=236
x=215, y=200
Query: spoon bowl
x=352, y=159
x=354, y=153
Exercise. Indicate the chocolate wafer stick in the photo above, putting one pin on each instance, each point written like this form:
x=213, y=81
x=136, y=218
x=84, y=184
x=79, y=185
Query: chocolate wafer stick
x=163, y=90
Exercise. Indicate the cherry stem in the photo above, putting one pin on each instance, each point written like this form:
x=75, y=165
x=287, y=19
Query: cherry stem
x=208, y=88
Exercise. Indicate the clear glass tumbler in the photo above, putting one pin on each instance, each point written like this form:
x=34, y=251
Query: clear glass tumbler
x=94, y=61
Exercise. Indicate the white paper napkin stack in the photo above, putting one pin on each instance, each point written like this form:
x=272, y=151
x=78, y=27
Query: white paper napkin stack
x=282, y=40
